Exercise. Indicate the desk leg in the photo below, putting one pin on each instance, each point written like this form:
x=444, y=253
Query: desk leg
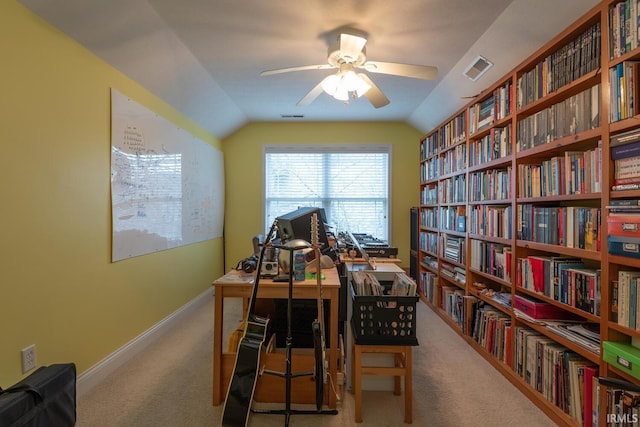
x=408, y=386
x=356, y=382
x=333, y=360
x=217, y=347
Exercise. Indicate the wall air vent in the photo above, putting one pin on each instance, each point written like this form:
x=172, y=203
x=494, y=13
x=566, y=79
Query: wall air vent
x=478, y=67
x=292, y=116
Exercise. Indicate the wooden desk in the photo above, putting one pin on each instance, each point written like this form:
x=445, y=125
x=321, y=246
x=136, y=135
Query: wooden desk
x=268, y=387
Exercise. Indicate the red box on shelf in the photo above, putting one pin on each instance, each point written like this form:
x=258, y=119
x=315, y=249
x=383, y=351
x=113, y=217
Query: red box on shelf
x=541, y=310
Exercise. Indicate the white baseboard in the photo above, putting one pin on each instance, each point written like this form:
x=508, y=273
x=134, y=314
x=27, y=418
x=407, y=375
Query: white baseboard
x=101, y=370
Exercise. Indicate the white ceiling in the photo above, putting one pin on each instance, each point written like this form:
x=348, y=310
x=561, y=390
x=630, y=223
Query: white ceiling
x=204, y=57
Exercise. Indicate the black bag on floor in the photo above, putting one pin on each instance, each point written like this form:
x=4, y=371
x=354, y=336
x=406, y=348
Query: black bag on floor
x=45, y=398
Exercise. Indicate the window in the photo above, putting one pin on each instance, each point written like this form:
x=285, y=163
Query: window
x=351, y=183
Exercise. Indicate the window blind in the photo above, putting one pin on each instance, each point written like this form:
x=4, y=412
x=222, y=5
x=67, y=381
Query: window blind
x=351, y=183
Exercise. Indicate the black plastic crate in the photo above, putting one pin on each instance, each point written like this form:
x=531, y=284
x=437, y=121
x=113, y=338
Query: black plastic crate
x=384, y=319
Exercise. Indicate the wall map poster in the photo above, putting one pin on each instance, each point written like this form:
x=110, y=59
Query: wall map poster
x=167, y=186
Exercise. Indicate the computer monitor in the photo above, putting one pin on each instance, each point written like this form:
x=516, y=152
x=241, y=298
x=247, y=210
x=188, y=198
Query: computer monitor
x=297, y=225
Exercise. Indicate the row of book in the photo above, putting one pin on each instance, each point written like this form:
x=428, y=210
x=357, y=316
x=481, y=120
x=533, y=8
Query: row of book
x=453, y=190
x=570, y=226
x=453, y=302
x=429, y=169
x=429, y=195
x=562, y=376
x=453, y=132
x=575, y=172
x=563, y=279
x=576, y=114
x=625, y=299
x=492, y=331
x=575, y=59
x=428, y=285
x=491, y=220
x=429, y=242
x=624, y=29
x=491, y=184
x=495, y=145
x=429, y=146
x=453, y=218
x=623, y=95
x=429, y=217
x=491, y=258
x=453, y=160
x=623, y=407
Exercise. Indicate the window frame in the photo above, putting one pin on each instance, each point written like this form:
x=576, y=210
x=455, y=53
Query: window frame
x=327, y=149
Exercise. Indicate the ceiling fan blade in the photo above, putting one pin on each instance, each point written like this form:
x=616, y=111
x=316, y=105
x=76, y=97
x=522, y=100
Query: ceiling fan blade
x=312, y=95
x=374, y=94
x=405, y=70
x=351, y=46
x=302, y=68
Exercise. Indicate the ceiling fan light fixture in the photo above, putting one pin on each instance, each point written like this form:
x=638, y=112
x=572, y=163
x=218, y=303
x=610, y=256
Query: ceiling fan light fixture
x=343, y=84
x=330, y=84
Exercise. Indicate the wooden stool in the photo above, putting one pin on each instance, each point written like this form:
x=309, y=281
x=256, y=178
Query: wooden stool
x=401, y=368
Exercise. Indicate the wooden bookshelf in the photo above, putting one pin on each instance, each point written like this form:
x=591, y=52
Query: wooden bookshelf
x=546, y=123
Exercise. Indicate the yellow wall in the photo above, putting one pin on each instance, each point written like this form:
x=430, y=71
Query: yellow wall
x=58, y=288
x=243, y=174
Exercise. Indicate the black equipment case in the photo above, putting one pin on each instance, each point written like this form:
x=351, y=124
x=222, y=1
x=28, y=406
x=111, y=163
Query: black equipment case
x=45, y=398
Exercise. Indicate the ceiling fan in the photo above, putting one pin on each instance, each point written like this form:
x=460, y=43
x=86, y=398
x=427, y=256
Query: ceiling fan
x=348, y=54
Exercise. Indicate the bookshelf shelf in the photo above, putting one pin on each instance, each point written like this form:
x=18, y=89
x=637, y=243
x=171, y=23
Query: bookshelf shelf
x=561, y=250
x=564, y=197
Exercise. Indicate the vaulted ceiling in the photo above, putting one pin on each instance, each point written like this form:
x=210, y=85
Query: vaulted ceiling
x=204, y=57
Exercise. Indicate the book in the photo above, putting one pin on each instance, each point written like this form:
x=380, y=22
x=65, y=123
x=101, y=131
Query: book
x=625, y=151
x=625, y=138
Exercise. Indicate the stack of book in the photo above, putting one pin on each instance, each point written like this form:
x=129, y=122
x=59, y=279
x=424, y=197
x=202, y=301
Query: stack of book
x=453, y=272
x=453, y=248
x=482, y=114
x=625, y=153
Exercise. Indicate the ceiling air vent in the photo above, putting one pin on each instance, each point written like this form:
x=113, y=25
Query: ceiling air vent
x=478, y=67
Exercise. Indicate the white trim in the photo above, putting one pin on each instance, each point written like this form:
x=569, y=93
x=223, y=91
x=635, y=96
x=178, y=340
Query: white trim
x=98, y=372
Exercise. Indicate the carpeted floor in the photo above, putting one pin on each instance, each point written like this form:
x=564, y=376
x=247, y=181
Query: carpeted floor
x=170, y=385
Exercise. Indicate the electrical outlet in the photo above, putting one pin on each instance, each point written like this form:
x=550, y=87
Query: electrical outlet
x=28, y=358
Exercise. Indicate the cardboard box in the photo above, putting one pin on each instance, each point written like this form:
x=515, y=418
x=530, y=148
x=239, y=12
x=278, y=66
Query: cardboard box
x=623, y=356
x=541, y=310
